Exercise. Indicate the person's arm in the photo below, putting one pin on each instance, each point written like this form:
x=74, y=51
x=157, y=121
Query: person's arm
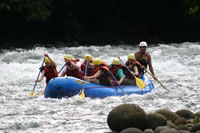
x=151, y=67
x=96, y=75
x=121, y=75
x=136, y=70
x=41, y=77
x=75, y=66
x=52, y=62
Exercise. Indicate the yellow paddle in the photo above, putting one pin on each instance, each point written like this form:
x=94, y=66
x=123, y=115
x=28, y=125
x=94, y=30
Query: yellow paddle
x=139, y=82
x=157, y=80
x=82, y=92
x=32, y=93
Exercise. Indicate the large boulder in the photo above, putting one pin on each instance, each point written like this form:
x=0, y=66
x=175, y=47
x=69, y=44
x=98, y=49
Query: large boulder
x=126, y=116
x=185, y=114
x=168, y=114
x=156, y=120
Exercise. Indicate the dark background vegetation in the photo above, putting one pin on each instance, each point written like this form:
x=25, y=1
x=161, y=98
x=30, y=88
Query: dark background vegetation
x=98, y=21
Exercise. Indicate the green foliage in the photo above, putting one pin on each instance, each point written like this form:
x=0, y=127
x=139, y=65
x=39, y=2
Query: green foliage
x=193, y=7
x=30, y=9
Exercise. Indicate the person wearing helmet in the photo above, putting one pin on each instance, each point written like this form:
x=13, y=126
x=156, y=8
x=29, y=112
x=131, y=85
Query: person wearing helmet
x=117, y=71
x=48, y=70
x=133, y=65
x=90, y=68
x=71, y=68
x=144, y=58
x=101, y=75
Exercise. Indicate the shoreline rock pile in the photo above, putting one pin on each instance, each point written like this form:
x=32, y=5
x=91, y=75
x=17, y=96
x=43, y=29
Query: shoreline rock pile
x=130, y=118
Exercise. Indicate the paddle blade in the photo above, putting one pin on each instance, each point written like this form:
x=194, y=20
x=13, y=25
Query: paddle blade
x=42, y=93
x=32, y=93
x=140, y=83
x=82, y=94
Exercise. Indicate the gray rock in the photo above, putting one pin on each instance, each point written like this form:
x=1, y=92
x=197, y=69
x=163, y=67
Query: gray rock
x=180, y=121
x=168, y=114
x=148, y=131
x=155, y=120
x=161, y=128
x=195, y=128
x=126, y=116
x=170, y=130
x=131, y=130
x=185, y=114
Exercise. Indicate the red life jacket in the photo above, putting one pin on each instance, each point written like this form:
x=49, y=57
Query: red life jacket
x=105, y=75
x=130, y=66
x=114, y=71
x=90, y=71
x=50, y=72
x=74, y=72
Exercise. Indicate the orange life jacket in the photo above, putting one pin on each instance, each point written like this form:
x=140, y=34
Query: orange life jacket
x=90, y=71
x=50, y=72
x=105, y=75
x=130, y=66
x=74, y=72
x=114, y=71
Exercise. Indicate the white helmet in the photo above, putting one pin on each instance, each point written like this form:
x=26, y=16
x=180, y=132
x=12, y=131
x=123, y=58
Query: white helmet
x=143, y=44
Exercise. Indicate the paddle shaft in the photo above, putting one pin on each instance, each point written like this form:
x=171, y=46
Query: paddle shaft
x=86, y=67
x=38, y=74
x=116, y=81
x=62, y=68
x=157, y=80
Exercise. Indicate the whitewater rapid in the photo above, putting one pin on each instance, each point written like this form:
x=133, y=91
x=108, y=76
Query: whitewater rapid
x=177, y=66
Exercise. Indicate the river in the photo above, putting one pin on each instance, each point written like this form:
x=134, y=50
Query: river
x=177, y=66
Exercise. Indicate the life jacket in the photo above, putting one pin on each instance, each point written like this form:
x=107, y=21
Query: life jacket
x=131, y=67
x=114, y=71
x=50, y=72
x=90, y=71
x=74, y=72
x=104, y=67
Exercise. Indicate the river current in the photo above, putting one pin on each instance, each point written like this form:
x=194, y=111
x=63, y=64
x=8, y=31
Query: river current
x=177, y=66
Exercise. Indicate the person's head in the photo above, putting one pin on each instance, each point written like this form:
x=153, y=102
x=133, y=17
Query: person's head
x=47, y=61
x=68, y=58
x=87, y=56
x=131, y=58
x=115, y=62
x=97, y=61
x=143, y=46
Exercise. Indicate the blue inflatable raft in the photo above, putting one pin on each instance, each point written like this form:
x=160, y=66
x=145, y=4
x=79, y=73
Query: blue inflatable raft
x=69, y=86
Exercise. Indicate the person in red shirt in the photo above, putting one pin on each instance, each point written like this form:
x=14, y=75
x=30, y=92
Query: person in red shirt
x=48, y=70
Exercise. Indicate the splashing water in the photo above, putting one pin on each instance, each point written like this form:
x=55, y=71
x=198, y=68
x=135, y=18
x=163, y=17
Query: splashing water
x=175, y=65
